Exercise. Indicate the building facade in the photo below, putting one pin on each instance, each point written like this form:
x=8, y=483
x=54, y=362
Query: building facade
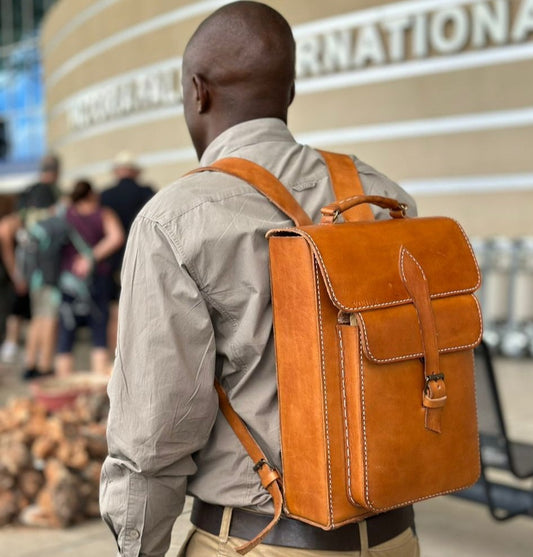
x=434, y=93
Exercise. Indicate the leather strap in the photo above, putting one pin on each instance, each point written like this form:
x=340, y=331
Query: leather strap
x=343, y=175
x=331, y=212
x=346, y=183
x=270, y=478
x=434, y=395
x=264, y=182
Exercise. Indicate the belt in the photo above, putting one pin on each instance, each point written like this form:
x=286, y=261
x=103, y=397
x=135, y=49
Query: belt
x=293, y=533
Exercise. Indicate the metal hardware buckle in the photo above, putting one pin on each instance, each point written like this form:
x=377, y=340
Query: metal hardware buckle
x=433, y=377
x=260, y=463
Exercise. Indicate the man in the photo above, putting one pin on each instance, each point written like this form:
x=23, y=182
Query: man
x=41, y=300
x=196, y=302
x=126, y=198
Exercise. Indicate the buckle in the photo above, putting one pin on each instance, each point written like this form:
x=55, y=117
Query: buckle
x=434, y=377
x=263, y=462
x=260, y=463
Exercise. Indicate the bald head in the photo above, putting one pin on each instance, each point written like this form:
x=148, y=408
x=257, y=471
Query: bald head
x=238, y=66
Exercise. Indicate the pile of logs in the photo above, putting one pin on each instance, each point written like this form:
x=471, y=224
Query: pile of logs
x=50, y=463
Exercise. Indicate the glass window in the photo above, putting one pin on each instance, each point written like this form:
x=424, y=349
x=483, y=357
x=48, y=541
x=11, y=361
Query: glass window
x=22, y=122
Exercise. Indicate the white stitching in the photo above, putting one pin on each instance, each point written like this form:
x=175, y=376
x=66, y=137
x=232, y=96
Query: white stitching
x=352, y=198
x=392, y=302
x=403, y=251
x=345, y=414
x=324, y=386
x=449, y=349
x=363, y=415
x=403, y=503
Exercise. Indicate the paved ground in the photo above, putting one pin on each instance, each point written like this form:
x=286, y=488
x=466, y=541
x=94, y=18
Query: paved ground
x=447, y=526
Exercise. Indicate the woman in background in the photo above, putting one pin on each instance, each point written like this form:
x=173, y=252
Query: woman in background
x=95, y=234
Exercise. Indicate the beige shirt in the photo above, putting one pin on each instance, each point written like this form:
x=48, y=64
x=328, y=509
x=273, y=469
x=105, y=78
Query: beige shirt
x=195, y=298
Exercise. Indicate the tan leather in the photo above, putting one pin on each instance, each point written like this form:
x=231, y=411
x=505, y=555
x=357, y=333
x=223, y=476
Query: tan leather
x=346, y=183
x=342, y=207
x=363, y=345
x=392, y=334
x=434, y=395
x=264, y=182
x=374, y=325
x=270, y=478
x=379, y=283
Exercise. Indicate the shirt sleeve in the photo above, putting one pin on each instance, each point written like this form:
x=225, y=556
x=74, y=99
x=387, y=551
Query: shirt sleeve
x=163, y=402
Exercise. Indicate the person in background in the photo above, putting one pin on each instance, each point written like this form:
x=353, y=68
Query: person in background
x=126, y=198
x=7, y=292
x=96, y=234
x=42, y=302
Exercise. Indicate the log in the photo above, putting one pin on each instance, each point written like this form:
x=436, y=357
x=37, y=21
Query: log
x=73, y=453
x=43, y=448
x=7, y=481
x=14, y=457
x=95, y=439
x=30, y=482
x=50, y=463
x=8, y=507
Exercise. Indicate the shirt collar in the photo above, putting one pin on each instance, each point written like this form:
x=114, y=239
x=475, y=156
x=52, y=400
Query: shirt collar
x=247, y=133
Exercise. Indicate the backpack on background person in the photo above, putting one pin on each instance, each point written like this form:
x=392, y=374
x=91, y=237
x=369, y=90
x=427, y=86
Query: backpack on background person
x=38, y=259
x=38, y=250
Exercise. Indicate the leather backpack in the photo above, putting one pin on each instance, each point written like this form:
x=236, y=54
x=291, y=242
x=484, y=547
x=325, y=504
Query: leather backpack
x=375, y=323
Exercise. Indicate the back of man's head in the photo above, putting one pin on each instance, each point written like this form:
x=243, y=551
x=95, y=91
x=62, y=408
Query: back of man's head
x=238, y=66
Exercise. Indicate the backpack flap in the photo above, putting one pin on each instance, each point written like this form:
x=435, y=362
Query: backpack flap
x=360, y=261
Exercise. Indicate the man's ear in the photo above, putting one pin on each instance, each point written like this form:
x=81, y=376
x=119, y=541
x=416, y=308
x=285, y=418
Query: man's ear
x=292, y=93
x=202, y=93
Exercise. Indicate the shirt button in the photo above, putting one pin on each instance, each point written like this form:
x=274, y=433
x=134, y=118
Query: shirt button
x=133, y=534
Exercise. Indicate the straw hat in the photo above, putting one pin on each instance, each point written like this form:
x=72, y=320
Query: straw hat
x=125, y=159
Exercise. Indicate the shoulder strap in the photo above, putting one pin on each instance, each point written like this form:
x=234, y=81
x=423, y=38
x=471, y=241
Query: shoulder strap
x=264, y=182
x=346, y=183
x=270, y=478
x=80, y=245
x=342, y=171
